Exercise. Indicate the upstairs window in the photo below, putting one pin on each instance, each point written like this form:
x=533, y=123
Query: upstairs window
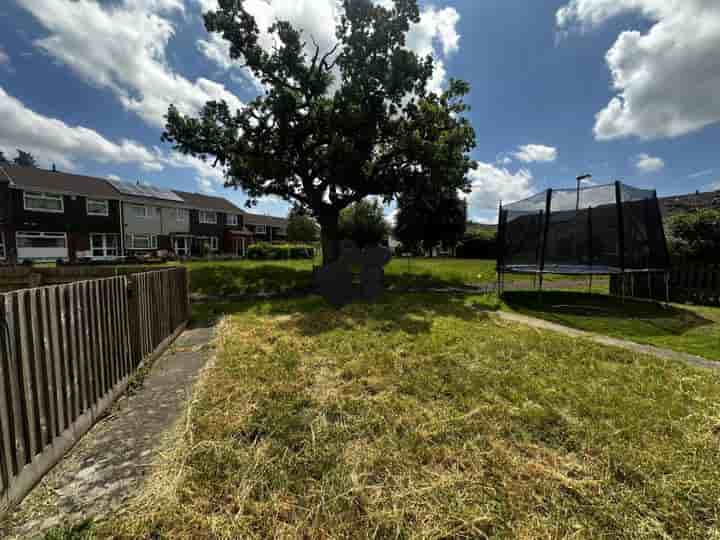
x=98, y=207
x=182, y=215
x=43, y=202
x=209, y=218
x=141, y=212
x=232, y=220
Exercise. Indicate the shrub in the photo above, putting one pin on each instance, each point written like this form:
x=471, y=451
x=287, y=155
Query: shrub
x=482, y=246
x=695, y=235
x=274, y=252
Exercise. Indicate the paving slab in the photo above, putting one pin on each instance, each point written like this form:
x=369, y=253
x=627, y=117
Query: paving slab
x=109, y=463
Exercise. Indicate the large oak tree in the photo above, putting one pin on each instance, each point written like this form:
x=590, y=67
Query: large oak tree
x=332, y=126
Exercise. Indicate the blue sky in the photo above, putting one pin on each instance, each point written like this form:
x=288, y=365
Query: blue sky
x=623, y=89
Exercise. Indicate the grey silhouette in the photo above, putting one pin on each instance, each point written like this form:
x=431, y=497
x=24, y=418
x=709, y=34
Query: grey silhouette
x=335, y=281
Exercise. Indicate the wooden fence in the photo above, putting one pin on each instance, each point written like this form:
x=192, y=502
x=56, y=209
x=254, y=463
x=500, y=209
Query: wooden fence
x=699, y=284
x=66, y=352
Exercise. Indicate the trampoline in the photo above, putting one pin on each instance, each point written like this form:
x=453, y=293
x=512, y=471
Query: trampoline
x=612, y=229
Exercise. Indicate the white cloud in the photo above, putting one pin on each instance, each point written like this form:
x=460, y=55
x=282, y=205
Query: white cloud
x=491, y=184
x=715, y=186
x=667, y=78
x=648, y=164
x=206, y=176
x=530, y=153
x=698, y=174
x=122, y=47
x=113, y=177
x=52, y=140
x=435, y=34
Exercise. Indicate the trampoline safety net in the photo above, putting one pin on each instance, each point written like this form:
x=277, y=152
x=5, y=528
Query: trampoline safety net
x=606, y=229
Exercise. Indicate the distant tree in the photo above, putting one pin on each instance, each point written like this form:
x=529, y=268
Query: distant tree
x=301, y=226
x=334, y=126
x=25, y=159
x=3, y=159
x=364, y=223
x=695, y=235
x=429, y=217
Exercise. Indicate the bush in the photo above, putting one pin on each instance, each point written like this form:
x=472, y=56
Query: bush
x=695, y=235
x=277, y=252
x=478, y=247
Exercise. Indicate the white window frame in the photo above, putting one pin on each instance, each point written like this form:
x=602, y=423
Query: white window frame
x=131, y=240
x=232, y=220
x=186, y=251
x=3, y=250
x=45, y=196
x=182, y=215
x=214, y=244
x=204, y=217
x=146, y=213
x=260, y=229
x=104, y=246
x=104, y=202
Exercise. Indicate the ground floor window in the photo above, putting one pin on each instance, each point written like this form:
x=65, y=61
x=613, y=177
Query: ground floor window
x=41, y=245
x=141, y=241
x=181, y=245
x=213, y=243
x=105, y=246
x=2, y=245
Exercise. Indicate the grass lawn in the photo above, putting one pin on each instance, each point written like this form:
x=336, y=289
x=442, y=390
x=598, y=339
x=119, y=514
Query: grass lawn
x=422, y=416
x=244, y=276
x=691, y=329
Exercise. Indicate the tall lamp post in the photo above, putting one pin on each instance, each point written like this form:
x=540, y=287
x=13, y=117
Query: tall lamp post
x=580, y=179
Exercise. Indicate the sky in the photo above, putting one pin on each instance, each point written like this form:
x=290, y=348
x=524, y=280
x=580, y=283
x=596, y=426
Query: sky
x=622, y=89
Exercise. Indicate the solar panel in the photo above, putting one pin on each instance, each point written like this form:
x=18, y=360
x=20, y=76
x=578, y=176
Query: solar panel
x=140, y=190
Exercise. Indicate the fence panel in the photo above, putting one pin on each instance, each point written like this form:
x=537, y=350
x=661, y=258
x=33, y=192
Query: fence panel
x=66, y=352
x=698, y=284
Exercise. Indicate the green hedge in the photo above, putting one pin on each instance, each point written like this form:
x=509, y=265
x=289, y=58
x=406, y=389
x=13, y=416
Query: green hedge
x=276, y=252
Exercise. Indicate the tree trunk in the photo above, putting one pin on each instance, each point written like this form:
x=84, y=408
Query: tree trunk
x=330, y=237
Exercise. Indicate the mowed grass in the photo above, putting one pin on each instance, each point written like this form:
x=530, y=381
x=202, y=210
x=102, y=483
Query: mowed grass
x=220, y=278
x=685, y=328
x=422, y=416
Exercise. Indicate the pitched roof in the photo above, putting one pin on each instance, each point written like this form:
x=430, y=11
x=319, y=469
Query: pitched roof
x=31, y=178
x=271, y=221
x=677, y=204
x=208, y=202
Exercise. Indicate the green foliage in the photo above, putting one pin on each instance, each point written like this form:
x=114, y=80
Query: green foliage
x=272, y=252
x=25, y=159
x=364, y=223
x=333, y=126
x=429, y=216
x=478, y=246
x=301, y=226
x=695, y=235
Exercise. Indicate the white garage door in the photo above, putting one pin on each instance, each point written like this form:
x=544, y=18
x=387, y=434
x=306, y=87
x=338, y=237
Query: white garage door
x=41, y=246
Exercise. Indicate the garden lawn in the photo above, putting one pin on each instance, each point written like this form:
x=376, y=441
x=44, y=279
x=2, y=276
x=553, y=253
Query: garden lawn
x=220, y=278
x=685, y=328
x=424, y=416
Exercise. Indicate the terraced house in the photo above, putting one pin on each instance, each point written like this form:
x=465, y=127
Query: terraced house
x=56, y=216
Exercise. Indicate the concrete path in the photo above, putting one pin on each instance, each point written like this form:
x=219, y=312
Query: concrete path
x=696, y=361
x=110, y=461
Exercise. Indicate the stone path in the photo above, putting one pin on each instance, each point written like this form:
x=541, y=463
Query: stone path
x=110, y=461
x=696, y=361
